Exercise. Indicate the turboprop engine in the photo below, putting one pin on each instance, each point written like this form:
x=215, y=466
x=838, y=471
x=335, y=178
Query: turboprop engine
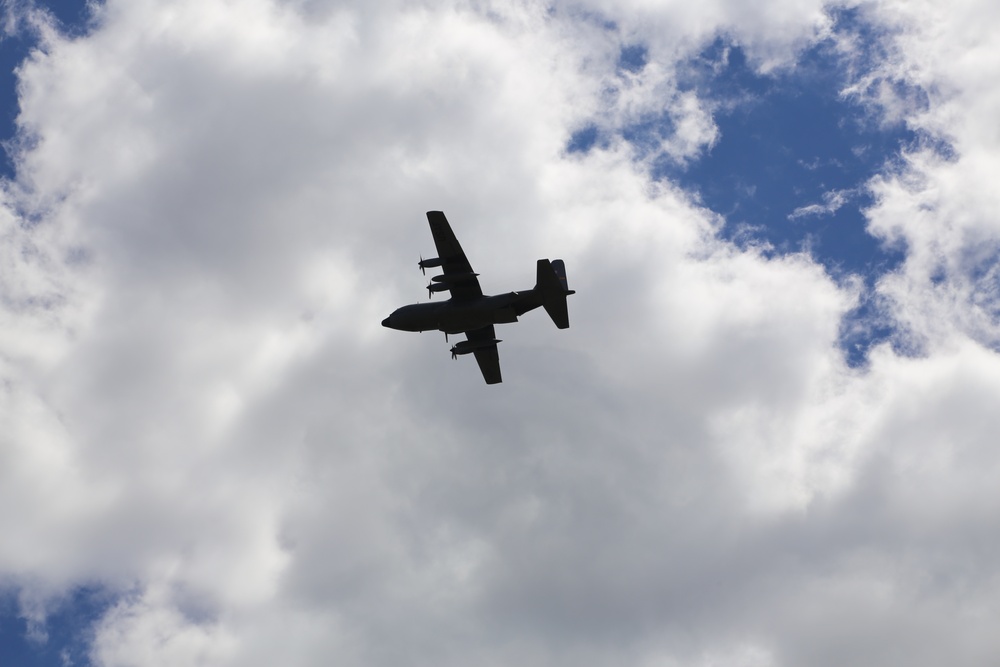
x=453, y=278
x=467, y=346
x=445, y=282
x=425, y=264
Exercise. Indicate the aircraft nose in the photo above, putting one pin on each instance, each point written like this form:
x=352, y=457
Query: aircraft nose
x=385, y=322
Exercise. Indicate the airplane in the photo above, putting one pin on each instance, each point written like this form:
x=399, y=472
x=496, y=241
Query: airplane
x=471, y=312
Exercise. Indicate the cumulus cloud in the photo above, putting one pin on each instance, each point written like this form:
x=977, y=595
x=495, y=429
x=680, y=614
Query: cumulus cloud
x=216, y=204
x=941, y=203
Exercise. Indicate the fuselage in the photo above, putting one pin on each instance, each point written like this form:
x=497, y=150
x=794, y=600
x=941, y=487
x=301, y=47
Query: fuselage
x=456, y=316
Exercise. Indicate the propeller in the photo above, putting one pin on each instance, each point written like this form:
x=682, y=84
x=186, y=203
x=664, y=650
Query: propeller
x=454, y=354
x=421, y=265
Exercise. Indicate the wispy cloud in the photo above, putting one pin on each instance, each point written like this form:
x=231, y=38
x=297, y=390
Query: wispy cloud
x=832, y=201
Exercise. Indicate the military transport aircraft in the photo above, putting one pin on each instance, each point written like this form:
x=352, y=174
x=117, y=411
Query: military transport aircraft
x=471, y=312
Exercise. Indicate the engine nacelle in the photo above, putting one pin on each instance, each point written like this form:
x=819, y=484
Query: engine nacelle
x=454, y=278
x=425, y=264
x=467, y=346
x=439, y=287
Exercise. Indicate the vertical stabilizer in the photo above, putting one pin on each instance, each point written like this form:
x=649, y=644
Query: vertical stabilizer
x=552, y=286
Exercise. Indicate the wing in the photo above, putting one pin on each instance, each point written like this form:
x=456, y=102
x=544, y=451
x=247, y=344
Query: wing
x=487, y=357
x=464, y=284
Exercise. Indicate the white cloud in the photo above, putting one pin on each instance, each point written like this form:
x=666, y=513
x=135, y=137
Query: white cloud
x=943, y=207
x=832, y=201
x=201, y=412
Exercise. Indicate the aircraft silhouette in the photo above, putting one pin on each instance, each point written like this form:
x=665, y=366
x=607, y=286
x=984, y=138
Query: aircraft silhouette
x=471, y=312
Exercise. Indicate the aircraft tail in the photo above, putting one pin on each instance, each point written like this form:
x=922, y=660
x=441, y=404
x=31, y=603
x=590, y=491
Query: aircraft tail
x=552, y=287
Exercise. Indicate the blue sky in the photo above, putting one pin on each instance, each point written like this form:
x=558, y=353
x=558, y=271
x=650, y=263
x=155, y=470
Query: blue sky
x=67, y=631
x=766, y=440
x=72, y=17
x=788, y=140
x=795, y=142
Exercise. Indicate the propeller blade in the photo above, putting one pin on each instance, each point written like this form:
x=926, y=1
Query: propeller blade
x=421, y=265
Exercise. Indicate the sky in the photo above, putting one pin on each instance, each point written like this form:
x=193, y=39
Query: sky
x=766, y=440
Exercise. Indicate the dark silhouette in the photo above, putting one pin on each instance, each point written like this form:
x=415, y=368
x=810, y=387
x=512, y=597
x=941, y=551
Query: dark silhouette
x=471, y=312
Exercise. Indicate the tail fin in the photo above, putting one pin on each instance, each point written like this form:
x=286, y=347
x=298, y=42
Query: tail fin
x=551, y=285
